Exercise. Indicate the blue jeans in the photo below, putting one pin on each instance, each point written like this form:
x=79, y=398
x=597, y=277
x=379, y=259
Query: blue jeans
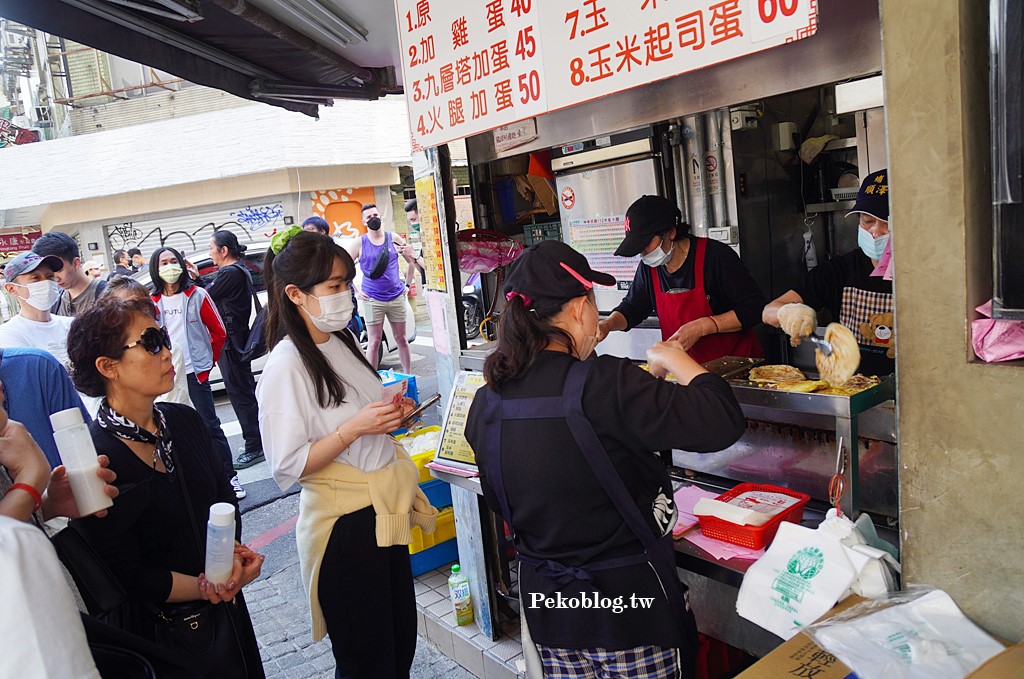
x=202, y=399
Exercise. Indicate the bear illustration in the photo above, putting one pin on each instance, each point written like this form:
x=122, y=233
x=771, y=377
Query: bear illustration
x=881, y=332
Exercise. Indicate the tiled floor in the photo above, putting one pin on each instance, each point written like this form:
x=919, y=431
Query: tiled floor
x=502, y=659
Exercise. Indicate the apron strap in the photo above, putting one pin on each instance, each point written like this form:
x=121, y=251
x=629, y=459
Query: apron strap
x=596, y=455
x=492, y=461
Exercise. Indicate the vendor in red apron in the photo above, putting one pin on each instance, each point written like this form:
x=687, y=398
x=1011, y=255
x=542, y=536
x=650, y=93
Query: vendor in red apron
x=564, y=446
x=703, y=294
x=853, y=289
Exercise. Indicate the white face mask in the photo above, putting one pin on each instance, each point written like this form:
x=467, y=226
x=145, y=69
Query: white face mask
x=170, y=273
x=657, y=256
x=335, y=311
x=589, y=342
x=871, y=246
x=41, y=294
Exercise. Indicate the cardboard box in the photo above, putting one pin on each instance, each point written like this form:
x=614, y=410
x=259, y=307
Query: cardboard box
x=801, y=657
x=1007, y=665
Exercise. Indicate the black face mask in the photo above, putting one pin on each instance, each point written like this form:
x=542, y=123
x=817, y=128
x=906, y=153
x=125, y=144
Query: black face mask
x=373, y=223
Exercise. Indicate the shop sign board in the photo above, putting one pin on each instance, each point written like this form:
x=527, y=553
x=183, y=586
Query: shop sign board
x=430, y=234
x=14, y=243
x=472, y=67
x=453, y=446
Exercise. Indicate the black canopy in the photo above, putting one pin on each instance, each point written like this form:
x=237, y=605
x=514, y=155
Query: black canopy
x=230, y=45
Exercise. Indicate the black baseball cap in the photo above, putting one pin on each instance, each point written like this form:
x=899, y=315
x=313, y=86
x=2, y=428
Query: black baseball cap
x=873, y=197
x=550, y=273
x=646, y=217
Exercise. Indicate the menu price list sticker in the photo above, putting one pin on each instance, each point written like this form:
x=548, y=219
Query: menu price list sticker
x=430, y=234
x=469, y=67
x=472, y=67
x=453, y=446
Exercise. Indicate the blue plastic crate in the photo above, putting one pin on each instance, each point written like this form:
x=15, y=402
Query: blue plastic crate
x=390, y=377
x=438, y=492
x=435, y=557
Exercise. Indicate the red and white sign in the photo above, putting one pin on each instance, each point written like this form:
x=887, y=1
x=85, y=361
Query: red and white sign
x=11, y=243
x=472, y=67
x=568, y=197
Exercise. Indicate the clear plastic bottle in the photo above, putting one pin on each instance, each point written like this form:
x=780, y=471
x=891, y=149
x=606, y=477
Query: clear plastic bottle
x=220, y=543
x=458, y=588
x=78, y=454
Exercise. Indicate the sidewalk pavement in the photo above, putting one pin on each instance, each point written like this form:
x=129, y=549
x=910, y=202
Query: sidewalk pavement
x=280, y=616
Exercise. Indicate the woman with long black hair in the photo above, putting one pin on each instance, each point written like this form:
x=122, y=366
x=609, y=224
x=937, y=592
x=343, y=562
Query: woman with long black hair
x=232, y=291
x=325, y=425
x=192, y=320
x=565, y=449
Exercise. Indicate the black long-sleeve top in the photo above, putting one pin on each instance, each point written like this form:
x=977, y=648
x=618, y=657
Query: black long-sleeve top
x=727, y=282
x=559, y=509
x=231, y=293
x=147, y=533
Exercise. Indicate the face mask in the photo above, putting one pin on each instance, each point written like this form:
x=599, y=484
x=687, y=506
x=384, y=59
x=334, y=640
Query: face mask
x=373, y=223
x=335, y=311
x=41, y=294
x=170, y=273
x=657, y=256
x=871, y=246
x=589, y=342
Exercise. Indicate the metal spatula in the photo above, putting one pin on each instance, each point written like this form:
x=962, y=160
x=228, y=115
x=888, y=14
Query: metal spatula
x=824, y=346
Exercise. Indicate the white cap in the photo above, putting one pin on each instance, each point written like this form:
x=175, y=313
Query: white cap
x=222, y=514
x=66, y=418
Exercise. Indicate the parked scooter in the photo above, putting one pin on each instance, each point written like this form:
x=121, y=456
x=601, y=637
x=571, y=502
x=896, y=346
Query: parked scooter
x=472, y=306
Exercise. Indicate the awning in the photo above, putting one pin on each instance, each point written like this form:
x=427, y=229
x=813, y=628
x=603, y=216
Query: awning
x=289, y=53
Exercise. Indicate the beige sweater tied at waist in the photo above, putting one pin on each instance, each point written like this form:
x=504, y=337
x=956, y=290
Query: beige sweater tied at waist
x=340, y=489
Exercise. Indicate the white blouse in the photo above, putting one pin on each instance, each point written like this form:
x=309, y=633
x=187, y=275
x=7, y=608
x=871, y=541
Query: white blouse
x=291, y=419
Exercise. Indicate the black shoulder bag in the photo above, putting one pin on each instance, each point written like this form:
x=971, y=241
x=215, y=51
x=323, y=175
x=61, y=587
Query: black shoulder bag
x=380, y=265
x=256, y=344
x=204, y=631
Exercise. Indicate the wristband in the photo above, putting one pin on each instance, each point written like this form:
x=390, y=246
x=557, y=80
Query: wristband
x=717, y=329
x=344, y=444
x=31, y=491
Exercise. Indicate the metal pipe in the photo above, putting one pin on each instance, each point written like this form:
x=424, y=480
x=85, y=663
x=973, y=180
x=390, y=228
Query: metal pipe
x=728, y=168
x=678, y=169
x=714, y=189
x=693, y=136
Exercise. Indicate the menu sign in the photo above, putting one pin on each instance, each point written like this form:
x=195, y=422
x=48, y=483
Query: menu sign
x=453, y=446
x=430, y=234
x=471, y=67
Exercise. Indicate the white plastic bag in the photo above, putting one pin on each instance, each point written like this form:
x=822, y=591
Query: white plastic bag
x=799, y=578
x=920, y=634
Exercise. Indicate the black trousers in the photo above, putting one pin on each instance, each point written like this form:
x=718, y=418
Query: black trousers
x=241, y=388
x=202, y=400
x=369, y=605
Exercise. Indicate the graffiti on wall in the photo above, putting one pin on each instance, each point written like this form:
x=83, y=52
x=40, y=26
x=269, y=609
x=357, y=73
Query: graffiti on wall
x=259, y=217
x=11, y=134
x=252, y=223
x=342, y=208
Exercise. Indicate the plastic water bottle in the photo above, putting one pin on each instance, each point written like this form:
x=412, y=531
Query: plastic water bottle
x=458, y=587
x=220, y=543
x=78, y=454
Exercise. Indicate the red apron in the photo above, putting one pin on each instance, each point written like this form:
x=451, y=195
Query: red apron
x=678, y=308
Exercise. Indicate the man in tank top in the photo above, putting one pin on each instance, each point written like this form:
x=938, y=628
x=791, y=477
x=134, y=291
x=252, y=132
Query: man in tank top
x=382, y=290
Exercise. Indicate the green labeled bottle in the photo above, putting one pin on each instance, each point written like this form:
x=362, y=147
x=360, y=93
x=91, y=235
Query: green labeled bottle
x=458, y=587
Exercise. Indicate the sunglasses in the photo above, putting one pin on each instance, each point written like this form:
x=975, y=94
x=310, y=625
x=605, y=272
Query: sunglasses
x=152, y=340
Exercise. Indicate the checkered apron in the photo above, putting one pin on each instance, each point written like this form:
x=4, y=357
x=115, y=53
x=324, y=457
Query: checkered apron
x=860, y=305
x=642, y=662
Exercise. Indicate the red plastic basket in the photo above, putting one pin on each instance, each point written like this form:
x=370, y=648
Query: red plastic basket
x=752, y=537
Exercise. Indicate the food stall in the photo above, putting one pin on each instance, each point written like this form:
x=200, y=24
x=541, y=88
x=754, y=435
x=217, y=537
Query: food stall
x=754, y=144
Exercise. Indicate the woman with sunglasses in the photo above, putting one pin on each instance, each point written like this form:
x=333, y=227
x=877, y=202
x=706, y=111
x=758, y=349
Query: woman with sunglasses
x=325, y=425
x=195, y=326
x=153, y=539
